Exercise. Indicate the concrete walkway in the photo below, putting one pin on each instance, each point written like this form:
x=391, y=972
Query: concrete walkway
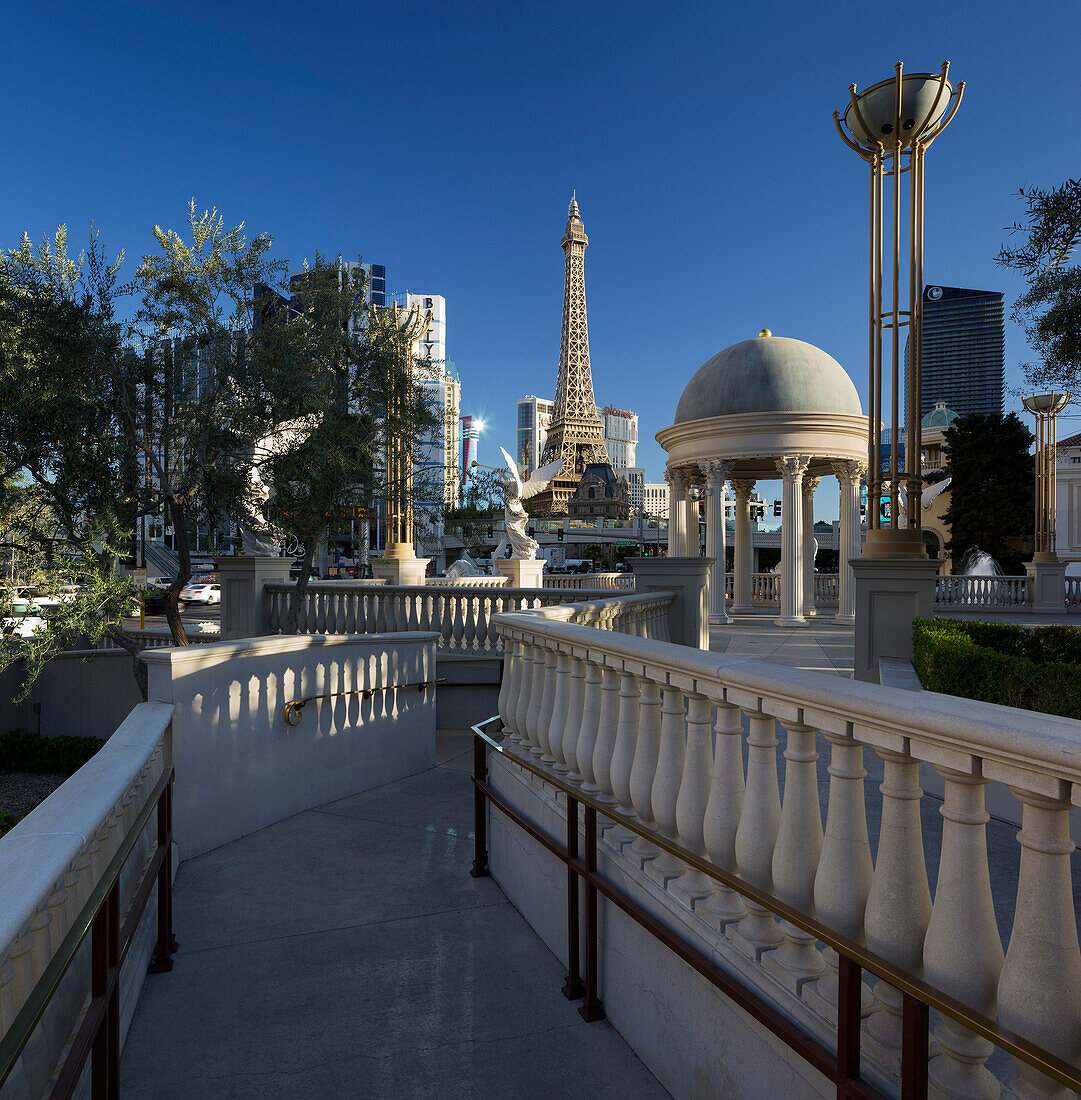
x=347, y=952
x=820, y=646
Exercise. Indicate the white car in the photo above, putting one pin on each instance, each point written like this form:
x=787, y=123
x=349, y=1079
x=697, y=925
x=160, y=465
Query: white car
x=22, y=626
x=200, y=592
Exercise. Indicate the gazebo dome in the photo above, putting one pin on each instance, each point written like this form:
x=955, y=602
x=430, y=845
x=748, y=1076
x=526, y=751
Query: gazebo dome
x=939, y=416
x=769, y=374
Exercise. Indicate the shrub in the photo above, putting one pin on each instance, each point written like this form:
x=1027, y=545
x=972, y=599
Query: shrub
x=27, y=752
x=1035, y=668
x=7, y=821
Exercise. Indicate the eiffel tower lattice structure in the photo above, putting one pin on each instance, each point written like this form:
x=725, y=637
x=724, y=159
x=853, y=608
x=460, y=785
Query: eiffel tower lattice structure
x=575, y=434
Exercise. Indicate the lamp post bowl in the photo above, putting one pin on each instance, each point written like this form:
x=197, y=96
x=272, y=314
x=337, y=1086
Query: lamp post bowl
x=1046, y=404
x=924, y=100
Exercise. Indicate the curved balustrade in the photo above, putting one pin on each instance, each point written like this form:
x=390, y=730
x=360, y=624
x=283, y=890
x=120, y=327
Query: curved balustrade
x=595, y=581
x=463, y=616
x=981, y=591
x=643, y=740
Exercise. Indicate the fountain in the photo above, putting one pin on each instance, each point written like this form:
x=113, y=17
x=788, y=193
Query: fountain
x=978, y=563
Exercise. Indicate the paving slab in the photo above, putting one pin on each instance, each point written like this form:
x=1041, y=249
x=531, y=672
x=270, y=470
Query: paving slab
x=346, y=951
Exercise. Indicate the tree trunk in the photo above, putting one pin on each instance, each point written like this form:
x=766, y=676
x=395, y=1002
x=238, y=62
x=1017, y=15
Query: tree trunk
x=138, y=666
x=183, y=574
x=300, y=591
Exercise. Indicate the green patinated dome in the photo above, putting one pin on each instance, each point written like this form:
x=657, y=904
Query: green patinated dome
x=939, y=416
x=770, y=374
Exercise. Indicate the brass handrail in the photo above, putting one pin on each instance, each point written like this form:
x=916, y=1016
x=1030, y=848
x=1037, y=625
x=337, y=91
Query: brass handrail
x=293, y=708
x=1002, y=1037
x=22, y=1027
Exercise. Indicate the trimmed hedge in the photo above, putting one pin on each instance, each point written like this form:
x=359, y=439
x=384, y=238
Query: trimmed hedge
x=1034, y=668
x=27, y=752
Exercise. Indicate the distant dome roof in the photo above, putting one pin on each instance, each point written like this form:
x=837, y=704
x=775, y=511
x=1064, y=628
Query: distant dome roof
x=769, y=374
x=939, y=416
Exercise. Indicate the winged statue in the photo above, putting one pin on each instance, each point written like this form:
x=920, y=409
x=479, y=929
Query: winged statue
x=515, y=517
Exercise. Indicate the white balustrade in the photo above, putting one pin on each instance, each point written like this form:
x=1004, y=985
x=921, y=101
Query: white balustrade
x=967, y=591
x=796, y=855
x=559, y=711
x=638, y=716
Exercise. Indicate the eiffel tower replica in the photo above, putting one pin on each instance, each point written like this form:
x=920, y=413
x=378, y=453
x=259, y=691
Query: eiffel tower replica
x=575, y=434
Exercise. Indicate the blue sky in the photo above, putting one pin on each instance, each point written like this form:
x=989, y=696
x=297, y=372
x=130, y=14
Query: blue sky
x=444, y=139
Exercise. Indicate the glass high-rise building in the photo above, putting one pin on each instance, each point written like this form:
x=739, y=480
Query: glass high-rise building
x=964, y=350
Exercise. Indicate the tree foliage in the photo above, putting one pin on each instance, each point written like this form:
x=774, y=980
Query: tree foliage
x=991, y=495
x=1050, y=309
x=67, y=474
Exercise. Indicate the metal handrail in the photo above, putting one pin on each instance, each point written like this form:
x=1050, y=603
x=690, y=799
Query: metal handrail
x=18, y=1035
x=293, y=708
x=1007, y=1040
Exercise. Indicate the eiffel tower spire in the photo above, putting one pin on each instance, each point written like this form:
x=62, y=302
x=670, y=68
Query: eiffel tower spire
x=576, y=435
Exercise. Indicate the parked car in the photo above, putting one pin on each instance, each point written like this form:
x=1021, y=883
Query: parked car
x=200, y=592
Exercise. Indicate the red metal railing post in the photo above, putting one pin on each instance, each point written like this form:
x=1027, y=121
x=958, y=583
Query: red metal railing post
x=166, y=945
x=573, y=988
x=480, y=810
x=914, y=1024
x=591, y=1008
x=848, y=1025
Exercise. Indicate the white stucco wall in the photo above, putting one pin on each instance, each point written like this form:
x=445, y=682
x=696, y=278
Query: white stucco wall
x=240, y=767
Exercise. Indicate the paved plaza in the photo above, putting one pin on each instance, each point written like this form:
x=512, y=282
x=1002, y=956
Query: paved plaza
x=819, y=647
x=346, y=952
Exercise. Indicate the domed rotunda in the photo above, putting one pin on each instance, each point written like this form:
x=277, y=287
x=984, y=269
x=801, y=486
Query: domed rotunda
x=758, y=410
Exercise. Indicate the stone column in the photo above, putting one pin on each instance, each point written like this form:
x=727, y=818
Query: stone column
x=849, y=475
x=742, y=554
x=676, y=514
x=716, y=472
x=692, y=547
x=792, y=468
x=809, y=486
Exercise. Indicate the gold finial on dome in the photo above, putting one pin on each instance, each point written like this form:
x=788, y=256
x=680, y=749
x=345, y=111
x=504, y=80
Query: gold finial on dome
x=765, y=332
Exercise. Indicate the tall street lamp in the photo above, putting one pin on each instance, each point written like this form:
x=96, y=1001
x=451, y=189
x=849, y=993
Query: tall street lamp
x=890, y=126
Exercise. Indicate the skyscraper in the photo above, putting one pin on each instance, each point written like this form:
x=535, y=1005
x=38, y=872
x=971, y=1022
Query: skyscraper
x=576, y=435
x=964, y=350
x=534, y=420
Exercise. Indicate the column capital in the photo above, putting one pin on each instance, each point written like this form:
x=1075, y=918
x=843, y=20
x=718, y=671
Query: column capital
x=810, y=484
x=792, y=467
x=742, y=487
x=847, y=472
x=716, y=472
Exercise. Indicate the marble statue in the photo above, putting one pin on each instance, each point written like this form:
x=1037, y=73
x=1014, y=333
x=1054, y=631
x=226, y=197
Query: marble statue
x=515, y=516
x=257, y=538
x=465, y=566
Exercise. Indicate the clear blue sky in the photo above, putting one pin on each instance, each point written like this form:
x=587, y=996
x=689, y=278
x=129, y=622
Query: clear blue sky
x=443, y=139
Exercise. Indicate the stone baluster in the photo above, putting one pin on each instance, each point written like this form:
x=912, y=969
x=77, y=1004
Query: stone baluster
x=795, y=858
x=606, y=734
x=666, y=783
x=536, y=694
x=694, y=885
x=520, y=724
x=756, y=837
x=575, y=703
x=508, y=688
x=962, y=953
x=845, y=870
x=626, y=743
x=18, y=1084
x=558, y=722
x=1039, y=993
x=543, y=748
x=587, y=736
x=899, y=903
x=723, y=810
x=644, y=768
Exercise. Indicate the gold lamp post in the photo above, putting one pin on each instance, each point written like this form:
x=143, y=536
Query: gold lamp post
x=1046, y=407
x=399, y=563
x=890, y=126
